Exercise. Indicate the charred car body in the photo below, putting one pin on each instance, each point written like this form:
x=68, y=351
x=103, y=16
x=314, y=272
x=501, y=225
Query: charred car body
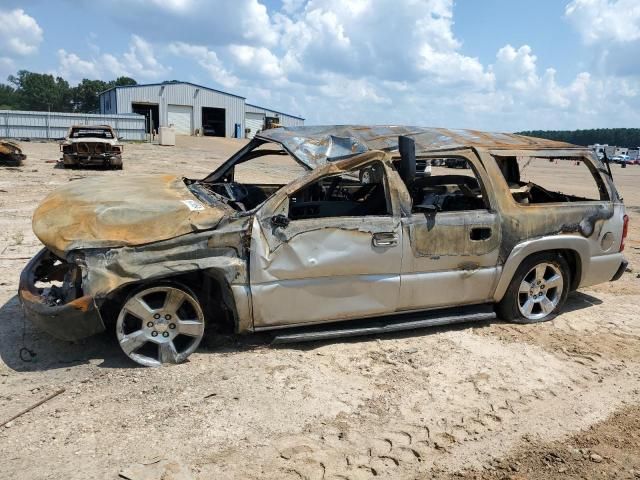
x=91, y=145
x=360, y=236
x=11, y=154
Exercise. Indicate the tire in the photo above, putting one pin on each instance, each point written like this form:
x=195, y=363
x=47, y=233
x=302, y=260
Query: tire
x=160, y=324
x=537, y=291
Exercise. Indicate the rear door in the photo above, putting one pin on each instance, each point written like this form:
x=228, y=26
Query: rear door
x=451, y=241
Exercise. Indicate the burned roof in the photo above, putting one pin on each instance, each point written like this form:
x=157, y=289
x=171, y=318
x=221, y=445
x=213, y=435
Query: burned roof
x=314, y=145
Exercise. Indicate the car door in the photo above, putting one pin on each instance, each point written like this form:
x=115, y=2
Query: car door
x=451, y=251
x=312, y=260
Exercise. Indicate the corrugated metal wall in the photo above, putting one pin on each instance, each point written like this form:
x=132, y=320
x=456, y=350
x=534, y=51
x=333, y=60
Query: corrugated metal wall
x=285, y=120
x=179, y=94
x=19, y=124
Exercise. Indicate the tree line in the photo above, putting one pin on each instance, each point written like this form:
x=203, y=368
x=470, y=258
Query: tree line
x=620, y=137
x=44, y=92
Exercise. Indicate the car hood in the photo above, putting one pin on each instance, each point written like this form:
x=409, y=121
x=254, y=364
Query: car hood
x=104, y=212
x=112, y=141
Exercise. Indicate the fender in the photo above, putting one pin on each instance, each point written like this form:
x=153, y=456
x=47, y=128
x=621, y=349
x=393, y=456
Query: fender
x=577, y=243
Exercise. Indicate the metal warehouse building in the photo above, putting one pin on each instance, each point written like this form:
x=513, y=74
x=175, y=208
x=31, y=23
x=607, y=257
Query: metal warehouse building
x=193, y=109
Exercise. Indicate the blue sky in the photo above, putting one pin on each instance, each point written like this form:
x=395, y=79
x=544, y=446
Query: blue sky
x=491, y=64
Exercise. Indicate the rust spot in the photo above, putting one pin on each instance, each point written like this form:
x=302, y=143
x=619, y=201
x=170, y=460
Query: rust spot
x=83, y=303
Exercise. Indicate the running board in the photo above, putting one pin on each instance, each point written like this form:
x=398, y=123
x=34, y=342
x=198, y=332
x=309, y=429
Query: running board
x=396, y=323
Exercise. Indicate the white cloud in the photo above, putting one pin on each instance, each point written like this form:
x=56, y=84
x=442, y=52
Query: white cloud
x=611, y=30
x=198, y=22
x=138, y=62
x=391, y=40
x=257, y=60
x=606, y=20
x=377, y=61
x=20, y=34
x=208, y=60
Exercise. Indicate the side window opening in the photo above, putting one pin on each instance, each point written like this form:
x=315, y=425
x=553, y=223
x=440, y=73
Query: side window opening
x=360, y=192
x=536, y=180
x=452, y=186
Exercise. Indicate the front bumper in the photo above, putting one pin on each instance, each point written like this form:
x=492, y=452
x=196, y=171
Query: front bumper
x=97, y=159
x=76, y=319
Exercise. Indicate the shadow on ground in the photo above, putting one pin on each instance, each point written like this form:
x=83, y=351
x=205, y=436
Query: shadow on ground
x=18, y=337
x=580, y=301
x=18, y=333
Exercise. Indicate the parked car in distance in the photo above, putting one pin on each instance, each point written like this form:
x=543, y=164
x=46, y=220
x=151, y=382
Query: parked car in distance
x=360, y=244
x=91, y=145
x=456, y=163
x=621, y=159
x=209, y=130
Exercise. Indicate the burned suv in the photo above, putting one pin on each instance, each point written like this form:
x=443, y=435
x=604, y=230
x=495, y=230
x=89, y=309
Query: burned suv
x=360, y=244
x=91, y=145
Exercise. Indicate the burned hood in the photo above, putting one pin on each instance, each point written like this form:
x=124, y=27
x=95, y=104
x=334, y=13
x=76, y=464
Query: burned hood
x=313, y=146
x=69, y=141
x=104, y=212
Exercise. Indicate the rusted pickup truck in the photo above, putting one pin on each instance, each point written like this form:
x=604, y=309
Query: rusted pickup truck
x=91, y=145
x=359, y=244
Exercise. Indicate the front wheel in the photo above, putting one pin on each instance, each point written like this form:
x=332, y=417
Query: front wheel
x=537, y=291
x=160, y=325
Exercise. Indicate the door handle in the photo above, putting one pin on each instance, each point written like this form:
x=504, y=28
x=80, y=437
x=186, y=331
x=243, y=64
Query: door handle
x=480, y=233
x=385, y=239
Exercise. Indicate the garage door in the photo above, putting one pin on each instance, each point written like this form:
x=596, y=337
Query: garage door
x=180, y=117
x=254, y=122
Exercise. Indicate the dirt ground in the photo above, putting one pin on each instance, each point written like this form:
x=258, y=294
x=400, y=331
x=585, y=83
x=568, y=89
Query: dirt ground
x=489, y=400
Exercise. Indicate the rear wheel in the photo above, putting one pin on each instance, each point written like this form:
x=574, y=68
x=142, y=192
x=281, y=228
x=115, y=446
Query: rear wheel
x=537, y=291
x=160, y=325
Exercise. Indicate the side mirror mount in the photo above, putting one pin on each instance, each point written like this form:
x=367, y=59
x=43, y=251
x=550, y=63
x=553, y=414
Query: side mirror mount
x=280, y=221
x=407, y=167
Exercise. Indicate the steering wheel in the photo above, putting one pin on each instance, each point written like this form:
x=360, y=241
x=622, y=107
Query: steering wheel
x=467, y=192
x=332, y=187
x=236, y=192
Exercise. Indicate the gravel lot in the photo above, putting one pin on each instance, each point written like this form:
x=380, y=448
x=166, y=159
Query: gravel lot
x=489, y=400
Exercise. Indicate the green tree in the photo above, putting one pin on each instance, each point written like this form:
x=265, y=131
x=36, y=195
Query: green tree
x=8, y=98
x=85, y=95
x=620, y=137
x=123, y=82
x=41, y=92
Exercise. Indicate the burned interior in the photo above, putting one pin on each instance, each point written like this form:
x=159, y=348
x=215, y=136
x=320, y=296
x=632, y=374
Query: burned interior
x=520, y=174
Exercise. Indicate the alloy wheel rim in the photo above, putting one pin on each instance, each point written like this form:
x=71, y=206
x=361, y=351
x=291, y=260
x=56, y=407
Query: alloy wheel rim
x=540, y=291
x=160, y=325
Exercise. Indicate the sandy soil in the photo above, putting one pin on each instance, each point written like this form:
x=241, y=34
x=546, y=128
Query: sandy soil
x=471, y=401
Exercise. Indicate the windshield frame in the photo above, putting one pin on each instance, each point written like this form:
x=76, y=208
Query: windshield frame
x=76, y=133
x=225, y=172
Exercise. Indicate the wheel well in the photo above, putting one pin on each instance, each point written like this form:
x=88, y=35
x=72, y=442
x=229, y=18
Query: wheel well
x=211, y=288
x=573, y=259
x=575, y=264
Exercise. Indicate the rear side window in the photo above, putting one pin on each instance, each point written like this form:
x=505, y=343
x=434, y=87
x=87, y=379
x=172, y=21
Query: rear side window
x=535, y=180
